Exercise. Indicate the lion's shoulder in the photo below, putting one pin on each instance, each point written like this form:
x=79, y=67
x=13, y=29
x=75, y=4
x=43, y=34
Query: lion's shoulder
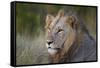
x=86, y=50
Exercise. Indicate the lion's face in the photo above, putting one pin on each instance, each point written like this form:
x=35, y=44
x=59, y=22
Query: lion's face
x=57, y=31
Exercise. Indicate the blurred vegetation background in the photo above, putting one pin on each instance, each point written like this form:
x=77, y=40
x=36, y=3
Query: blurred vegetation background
x=30, y=22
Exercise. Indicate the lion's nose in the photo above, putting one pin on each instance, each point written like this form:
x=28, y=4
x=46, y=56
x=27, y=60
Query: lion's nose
x=49, y=42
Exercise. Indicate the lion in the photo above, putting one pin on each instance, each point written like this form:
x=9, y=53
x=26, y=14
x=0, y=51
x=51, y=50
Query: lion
x=68, y=40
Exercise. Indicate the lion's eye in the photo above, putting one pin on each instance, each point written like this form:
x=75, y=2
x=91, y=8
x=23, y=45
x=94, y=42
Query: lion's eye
x=60, y=30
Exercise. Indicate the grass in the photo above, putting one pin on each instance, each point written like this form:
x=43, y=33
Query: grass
x=31, y=50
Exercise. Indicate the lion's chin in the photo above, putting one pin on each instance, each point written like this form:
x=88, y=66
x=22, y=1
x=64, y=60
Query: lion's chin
x=52, y=51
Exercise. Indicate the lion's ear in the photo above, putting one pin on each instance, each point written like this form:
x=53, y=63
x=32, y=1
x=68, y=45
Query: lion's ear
x=49, y=19
x=72, y=20
x=61, y=13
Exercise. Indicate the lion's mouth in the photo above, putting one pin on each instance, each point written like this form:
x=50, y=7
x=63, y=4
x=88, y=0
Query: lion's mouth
x=54, y=48
x=53, y=51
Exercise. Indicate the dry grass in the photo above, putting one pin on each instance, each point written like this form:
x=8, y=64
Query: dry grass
x=31, y=51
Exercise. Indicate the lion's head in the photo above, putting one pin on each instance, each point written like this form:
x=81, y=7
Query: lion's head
x=60, y=34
